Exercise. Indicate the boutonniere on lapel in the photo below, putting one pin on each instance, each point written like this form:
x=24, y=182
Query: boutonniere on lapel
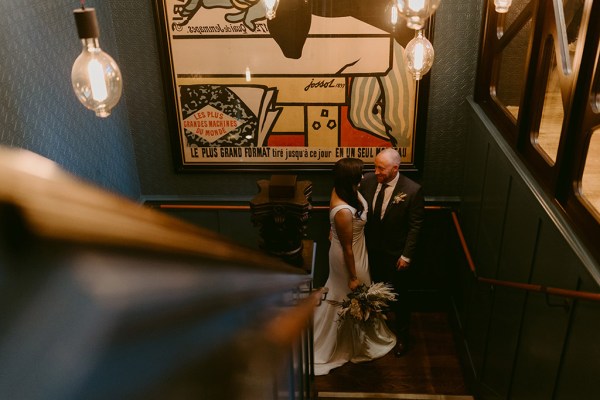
x=400, y=197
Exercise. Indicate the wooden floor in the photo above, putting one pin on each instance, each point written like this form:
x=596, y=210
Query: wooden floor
x=429, y=370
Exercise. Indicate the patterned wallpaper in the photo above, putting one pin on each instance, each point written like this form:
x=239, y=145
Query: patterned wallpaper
x=456, y=44
x=137, y=40
x=38, y=109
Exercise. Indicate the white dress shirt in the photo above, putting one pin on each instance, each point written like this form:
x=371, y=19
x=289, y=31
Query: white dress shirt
x=387, y=195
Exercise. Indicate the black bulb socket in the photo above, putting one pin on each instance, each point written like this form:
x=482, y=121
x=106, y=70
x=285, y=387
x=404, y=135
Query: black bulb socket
x=87, y=24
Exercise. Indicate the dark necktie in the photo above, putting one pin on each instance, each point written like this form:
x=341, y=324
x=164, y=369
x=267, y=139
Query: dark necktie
x=379, y=202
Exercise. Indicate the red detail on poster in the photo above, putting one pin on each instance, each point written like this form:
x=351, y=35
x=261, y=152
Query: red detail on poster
x=287, y=140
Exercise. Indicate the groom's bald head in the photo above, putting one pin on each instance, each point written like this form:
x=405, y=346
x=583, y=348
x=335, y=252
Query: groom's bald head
x=391, y=156
x=387, y=164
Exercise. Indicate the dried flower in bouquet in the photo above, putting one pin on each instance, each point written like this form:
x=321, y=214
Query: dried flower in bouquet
x=366, y=303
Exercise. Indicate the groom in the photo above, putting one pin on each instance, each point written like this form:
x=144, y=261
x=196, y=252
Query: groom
x=394, y=219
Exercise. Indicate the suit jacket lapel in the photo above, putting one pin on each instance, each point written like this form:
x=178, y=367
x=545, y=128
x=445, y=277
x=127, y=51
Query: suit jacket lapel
x=397, y=190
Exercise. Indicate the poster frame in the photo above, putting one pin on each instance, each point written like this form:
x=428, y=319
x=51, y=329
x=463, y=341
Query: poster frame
x=169, y=72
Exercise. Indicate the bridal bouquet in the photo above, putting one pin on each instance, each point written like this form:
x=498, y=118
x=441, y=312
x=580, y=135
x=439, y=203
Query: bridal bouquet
x=366, y=302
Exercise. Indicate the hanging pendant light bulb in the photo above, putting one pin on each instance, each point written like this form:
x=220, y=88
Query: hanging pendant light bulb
x=394, y=13
x=416, y=12
x=95, y=76
x=502, y=6
x=271, y=8
x=419, y=56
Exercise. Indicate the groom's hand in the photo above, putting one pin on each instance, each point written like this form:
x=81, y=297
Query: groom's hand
x=402, y=264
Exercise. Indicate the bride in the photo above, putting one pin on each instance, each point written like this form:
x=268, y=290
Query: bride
x=337, y=342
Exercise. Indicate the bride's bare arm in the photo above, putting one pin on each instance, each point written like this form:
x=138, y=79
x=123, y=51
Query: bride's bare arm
x=343, y=227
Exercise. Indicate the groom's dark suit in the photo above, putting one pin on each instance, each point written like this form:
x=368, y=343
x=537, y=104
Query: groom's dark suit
x=393, y=236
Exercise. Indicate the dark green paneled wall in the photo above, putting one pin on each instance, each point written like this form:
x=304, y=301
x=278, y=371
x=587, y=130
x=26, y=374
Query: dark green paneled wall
x=523, y=345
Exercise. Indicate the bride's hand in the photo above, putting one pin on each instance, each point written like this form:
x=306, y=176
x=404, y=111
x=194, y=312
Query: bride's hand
x=354, y=283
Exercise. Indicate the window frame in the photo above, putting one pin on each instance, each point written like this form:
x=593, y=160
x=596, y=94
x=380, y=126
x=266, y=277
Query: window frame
x=561, y=180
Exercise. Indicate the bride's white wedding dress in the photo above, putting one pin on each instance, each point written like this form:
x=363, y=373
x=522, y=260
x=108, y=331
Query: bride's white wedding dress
x=337, y=342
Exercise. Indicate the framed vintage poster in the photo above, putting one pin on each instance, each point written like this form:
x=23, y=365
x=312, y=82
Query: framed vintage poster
x=321, y=80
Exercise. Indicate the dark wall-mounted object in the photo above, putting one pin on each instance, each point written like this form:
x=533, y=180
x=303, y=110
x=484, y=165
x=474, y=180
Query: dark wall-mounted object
x=280, y=210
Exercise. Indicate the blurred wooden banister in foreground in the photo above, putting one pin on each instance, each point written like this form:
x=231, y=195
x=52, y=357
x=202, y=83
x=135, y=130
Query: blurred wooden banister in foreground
x=57, y=206
x=102, y=297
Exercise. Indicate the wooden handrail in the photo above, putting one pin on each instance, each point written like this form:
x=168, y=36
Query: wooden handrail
x=54, y=205
x=463, y=243
x=202, y=207
x=573, y=294
x=223, y=207
x=543, y=289
x=283, y=329
x=516, y=285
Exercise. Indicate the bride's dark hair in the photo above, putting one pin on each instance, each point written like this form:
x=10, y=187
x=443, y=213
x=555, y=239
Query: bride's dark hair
x=347, y=173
